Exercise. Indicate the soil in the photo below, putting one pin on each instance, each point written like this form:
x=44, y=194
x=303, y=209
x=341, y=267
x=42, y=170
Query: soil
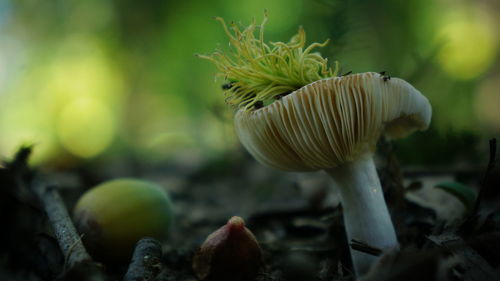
x=295, y=217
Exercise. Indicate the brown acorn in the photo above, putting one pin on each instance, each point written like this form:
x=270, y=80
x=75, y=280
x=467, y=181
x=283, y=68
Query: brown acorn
x=230, y=253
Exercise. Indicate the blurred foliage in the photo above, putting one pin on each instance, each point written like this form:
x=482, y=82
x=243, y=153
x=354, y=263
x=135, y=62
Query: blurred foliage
x=96, y=78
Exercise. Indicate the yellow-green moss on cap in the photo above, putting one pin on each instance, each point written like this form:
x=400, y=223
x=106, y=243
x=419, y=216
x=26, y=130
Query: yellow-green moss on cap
x=114, y=215
x=260, y=71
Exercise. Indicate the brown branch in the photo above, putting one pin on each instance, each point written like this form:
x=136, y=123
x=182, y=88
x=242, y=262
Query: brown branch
x=145, y=264
x=78, y=263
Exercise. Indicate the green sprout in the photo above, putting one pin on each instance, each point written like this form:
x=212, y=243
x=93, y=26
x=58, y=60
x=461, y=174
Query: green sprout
x=260, y=72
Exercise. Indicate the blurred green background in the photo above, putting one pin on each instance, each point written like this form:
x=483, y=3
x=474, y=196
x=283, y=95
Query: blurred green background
x=88, y=80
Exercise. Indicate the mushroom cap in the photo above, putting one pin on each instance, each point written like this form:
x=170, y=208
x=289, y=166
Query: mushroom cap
x=332, y=121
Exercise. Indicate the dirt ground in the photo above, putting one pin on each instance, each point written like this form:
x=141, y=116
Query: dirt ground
x=296, y=218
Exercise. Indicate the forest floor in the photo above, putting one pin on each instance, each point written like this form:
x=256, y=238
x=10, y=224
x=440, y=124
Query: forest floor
x=296, y=218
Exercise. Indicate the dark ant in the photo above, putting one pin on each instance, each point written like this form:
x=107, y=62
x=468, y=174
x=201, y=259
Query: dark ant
x=385, y=77
x=227, y=86
x=345, y=74
x=278, y=97
x=230, y=86
x=258, y=104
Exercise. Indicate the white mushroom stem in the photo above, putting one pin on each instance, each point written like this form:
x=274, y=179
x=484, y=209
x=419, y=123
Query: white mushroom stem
x=366, y=216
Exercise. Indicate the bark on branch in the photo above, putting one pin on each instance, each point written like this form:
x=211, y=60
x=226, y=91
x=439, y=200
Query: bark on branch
x=78, y=263
x=145, y=264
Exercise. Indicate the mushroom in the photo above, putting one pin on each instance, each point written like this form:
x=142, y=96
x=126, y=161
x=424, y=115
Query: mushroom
x=333, y=125
x=325, y=123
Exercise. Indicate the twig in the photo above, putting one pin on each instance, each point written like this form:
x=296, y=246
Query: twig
x=489, y=169
x=365, y=248
x=145, y=264
x=471, y=223
x=78, y=263
x=65, y=232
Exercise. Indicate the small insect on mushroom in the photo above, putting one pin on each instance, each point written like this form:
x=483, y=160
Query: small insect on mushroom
x=227, y=86
x=345, y=74
x=278, y=97
x=385, y=77
x=230, y=86
x=258, y=104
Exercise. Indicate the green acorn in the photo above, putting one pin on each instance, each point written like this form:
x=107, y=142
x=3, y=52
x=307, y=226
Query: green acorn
x=114, y=215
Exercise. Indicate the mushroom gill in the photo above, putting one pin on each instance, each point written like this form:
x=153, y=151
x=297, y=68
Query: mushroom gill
x=331, y=121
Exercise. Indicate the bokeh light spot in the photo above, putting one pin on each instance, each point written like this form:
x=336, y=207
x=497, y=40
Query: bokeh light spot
x=468, y=46
x=25, y=128
x=86, y=127
x=487, y=103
